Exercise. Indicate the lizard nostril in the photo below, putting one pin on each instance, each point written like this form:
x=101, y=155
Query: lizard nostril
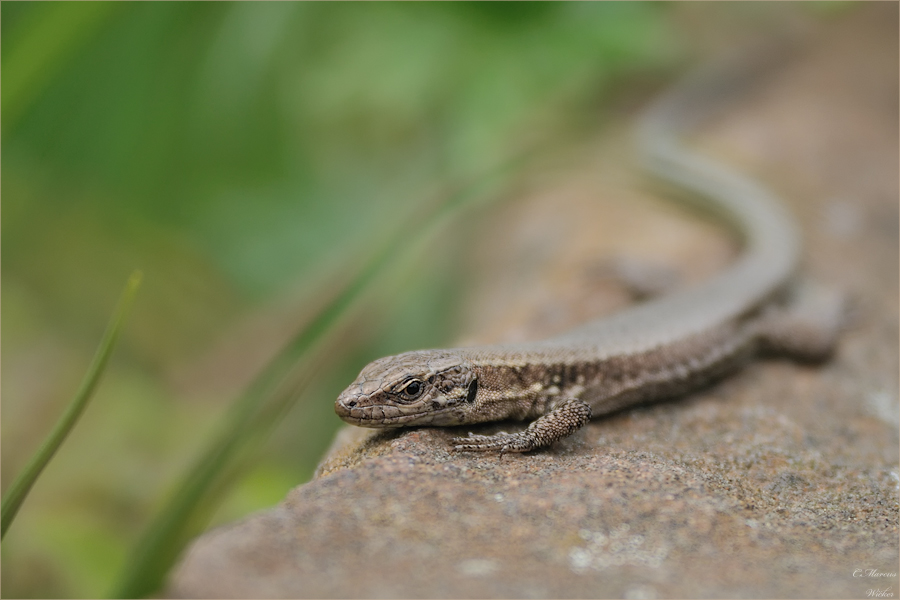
x=350, y=403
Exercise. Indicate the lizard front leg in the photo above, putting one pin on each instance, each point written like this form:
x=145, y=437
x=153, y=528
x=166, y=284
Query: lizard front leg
x=564, y=419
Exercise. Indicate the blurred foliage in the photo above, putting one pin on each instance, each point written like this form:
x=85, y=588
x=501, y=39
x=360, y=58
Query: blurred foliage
x=246, y=157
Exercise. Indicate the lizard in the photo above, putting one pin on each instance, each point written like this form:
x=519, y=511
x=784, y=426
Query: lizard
x=657, y=349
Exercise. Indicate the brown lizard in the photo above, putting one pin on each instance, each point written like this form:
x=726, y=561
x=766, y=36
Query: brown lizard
x=658, y=349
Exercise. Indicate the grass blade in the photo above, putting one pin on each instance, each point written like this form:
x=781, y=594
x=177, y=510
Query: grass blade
x=13, y=500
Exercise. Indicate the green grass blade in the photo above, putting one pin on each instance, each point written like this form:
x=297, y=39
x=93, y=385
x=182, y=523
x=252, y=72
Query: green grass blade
x=271, y=394
x=13, y=500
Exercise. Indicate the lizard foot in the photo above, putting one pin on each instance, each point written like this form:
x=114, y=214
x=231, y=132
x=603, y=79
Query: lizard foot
x=567, y=417
x=807, y=329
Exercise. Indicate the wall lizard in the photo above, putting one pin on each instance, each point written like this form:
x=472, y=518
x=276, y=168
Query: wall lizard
x=661, y=348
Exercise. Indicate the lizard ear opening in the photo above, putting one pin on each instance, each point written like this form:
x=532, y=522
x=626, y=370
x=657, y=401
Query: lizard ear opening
x=473, y=391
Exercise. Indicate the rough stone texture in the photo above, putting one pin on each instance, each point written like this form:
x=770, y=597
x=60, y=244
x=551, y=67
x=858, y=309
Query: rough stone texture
x=779, y=482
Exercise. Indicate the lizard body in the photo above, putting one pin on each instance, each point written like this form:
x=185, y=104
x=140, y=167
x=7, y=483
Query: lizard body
x=658, y=349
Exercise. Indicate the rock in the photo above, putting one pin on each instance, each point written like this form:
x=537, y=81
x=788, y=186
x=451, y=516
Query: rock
x=584, y=519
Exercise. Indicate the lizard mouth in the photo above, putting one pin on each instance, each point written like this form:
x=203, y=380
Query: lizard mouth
x=384, y=415
x=375, y=422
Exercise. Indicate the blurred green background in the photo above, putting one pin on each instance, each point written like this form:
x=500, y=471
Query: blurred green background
x=246, y=157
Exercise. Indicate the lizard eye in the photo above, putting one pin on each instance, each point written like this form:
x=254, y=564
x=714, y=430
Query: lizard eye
x=413, y=389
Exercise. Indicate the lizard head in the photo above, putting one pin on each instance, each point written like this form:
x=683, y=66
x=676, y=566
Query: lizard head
x=425, y=387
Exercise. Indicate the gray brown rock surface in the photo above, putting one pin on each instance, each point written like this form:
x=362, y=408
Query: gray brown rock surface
x=779, y=482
